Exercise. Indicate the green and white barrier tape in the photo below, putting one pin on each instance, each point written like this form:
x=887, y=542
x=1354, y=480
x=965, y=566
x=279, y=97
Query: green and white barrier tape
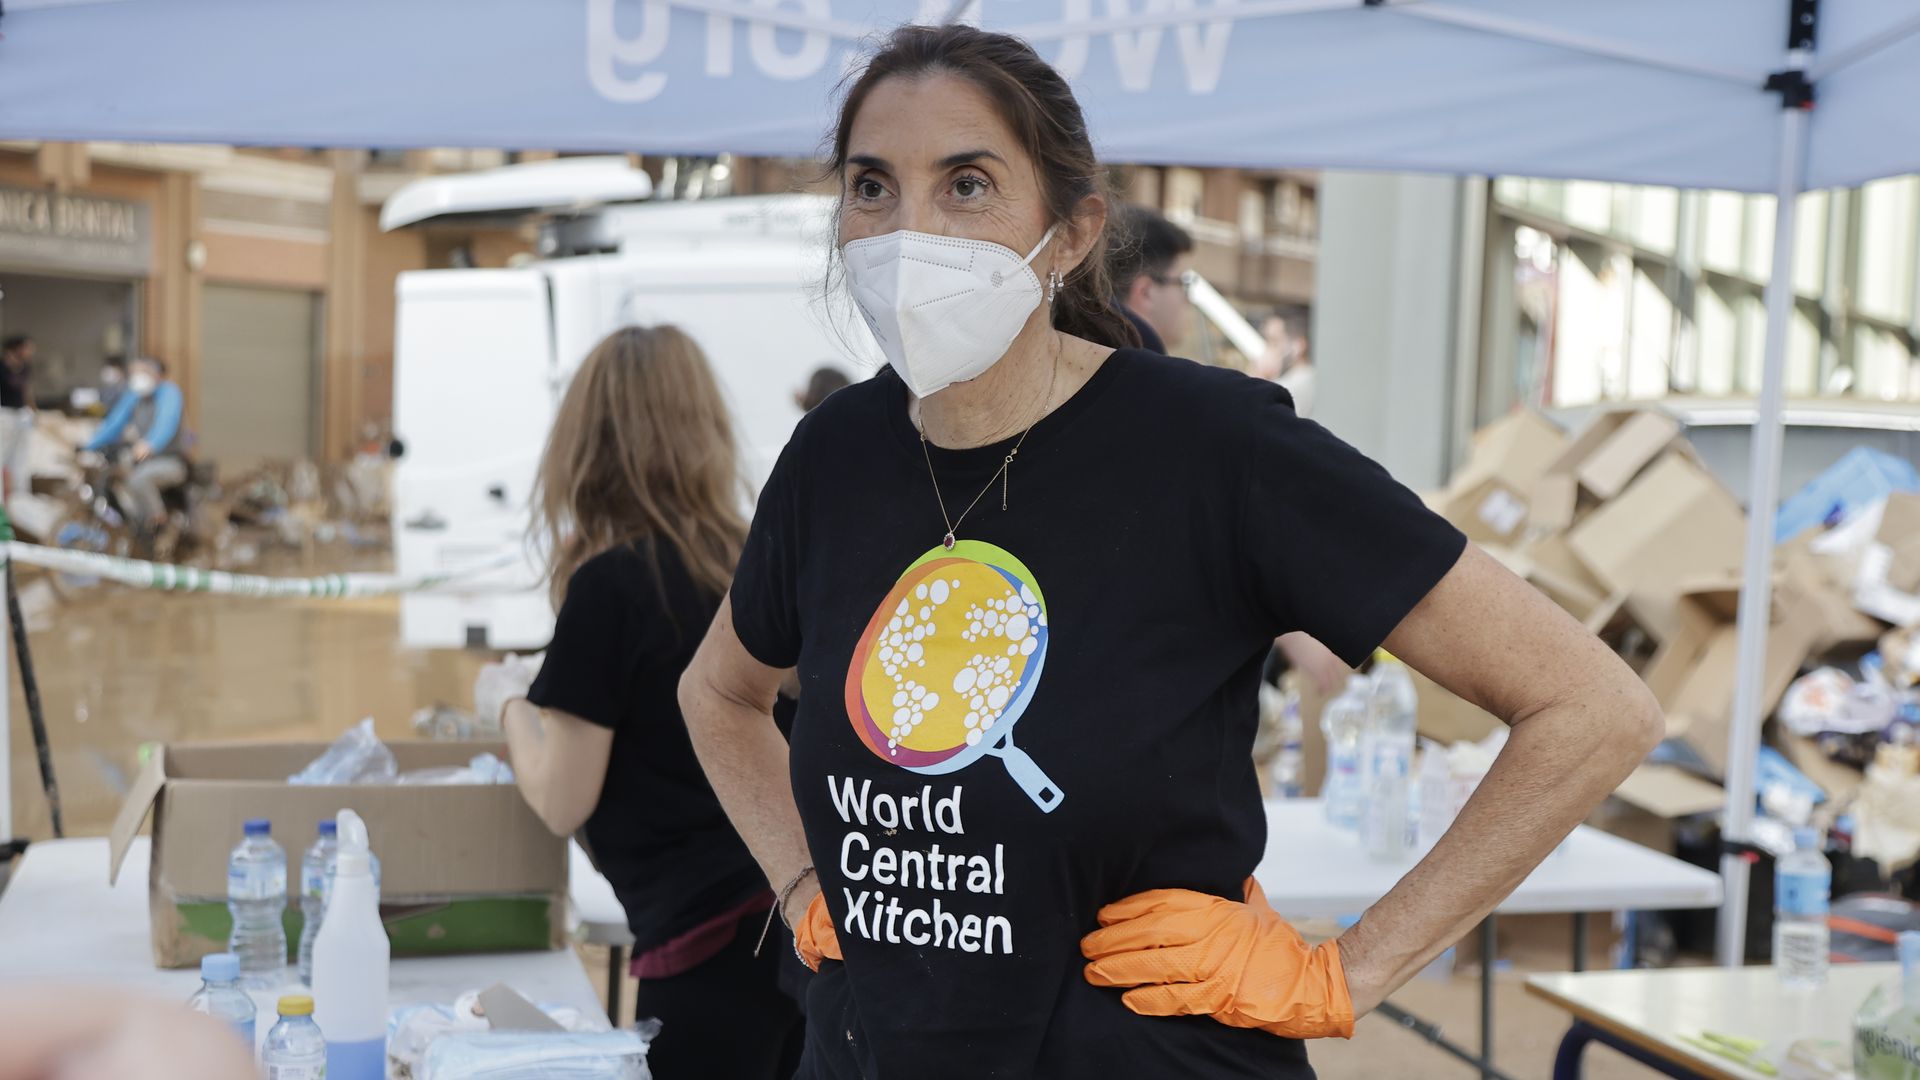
x=169, y=578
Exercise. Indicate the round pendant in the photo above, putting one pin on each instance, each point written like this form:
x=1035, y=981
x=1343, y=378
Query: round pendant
x=948, y=542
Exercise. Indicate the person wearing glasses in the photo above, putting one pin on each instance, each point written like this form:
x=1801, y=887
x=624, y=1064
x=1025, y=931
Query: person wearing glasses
x=1146, y=262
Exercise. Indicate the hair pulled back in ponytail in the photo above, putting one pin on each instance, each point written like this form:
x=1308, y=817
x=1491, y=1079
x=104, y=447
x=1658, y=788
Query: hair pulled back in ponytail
x=1039, y=108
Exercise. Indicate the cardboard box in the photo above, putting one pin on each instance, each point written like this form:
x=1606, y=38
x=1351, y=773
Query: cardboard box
x=1600, y=462
x=1673, y=524
x=1555, y=503
x=1488, y=497
x=1840, y=782
x=1613, y=449
x=1692, y=674
x=1645, y=805
x=464, y=868
x=1616, y=622
x=1900, y=532
x=1558, y=572
x=1838, y=625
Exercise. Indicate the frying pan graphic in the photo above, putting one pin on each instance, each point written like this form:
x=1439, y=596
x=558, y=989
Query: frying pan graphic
x=949, y=664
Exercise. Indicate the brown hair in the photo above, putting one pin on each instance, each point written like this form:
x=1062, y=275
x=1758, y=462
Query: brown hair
x=1036, y=104
x=642, y=448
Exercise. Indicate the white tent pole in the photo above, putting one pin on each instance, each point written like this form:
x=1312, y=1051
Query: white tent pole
x=1756, y=588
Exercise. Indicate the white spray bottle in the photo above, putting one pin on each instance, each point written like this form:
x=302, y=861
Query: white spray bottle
x=350, y=959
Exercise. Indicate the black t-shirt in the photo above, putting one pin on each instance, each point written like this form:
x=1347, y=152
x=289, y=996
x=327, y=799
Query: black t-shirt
x=1163, y=526
x=16, y=386
x=1149, y=337
x=623, y=637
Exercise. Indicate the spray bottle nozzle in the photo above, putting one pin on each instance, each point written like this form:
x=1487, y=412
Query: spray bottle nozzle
x=353, y=856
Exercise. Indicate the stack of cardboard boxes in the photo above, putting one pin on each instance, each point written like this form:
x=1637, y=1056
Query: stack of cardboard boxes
x=1621, y=525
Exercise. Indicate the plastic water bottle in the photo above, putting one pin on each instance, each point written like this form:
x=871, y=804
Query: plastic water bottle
x=257, y=899
x=1391, y=708
x=220, y=995
x=1435, y=784
x=295, y=1048
x=1886, y=1031
x=314, y=867
x=1801, y=884
x=350, y=960
x=1287, y=766
x=1345, y=723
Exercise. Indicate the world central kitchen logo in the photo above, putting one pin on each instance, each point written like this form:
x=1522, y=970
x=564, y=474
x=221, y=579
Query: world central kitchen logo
x=791, y=40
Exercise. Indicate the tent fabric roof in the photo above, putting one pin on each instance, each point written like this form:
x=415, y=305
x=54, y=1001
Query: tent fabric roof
x=1639, y=91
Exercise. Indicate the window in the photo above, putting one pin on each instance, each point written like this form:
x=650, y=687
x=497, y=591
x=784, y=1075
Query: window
x=1650, y=346
x=1653, y=291
x=1656, y=219
x=1723, y=228
x=1884, y=268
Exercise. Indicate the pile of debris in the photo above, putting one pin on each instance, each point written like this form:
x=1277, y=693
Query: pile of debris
x=1624, y=527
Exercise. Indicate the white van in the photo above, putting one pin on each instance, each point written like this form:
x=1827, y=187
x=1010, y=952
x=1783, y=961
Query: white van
x=481, y=358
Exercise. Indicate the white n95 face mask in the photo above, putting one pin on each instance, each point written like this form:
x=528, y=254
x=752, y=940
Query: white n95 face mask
x=942, y=308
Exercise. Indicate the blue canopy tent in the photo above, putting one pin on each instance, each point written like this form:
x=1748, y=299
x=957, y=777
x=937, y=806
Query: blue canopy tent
x=1775, y=96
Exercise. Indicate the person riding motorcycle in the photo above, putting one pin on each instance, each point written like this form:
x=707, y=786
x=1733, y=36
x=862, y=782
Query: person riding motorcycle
x=145, y=426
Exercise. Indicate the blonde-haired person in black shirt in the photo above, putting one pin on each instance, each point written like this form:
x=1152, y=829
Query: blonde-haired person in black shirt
x=637, y=497
x=1028, y=574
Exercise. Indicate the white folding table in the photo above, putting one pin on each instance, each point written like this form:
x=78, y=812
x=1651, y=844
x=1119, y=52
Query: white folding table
x=1313, y=870
x=1654, y=1017
x=59, y=919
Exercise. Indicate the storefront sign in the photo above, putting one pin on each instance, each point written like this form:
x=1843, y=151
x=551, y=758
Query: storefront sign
x=41, y=230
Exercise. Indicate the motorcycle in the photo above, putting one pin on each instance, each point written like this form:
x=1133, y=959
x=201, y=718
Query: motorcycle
x=98, y=518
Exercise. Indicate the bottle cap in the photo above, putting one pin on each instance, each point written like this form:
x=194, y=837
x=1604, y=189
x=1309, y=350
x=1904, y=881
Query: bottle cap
x=329, y=827
x=1806, y=839
x=258, y=827
x=220, y=967
x=296, y=1005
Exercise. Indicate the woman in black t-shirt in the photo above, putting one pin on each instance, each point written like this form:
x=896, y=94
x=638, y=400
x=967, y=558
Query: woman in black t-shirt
x=637, y=494
x=1028, y=575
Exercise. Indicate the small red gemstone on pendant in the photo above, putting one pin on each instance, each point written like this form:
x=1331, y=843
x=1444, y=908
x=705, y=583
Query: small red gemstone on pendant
x=948, y=541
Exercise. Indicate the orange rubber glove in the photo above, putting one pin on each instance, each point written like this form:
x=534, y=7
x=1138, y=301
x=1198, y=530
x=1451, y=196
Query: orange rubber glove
x=814, y=937
x=1190, y=954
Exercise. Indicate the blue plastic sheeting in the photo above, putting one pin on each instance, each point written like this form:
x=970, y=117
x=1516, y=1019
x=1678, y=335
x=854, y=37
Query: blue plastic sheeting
x=1859, y=480
x=1774, y=768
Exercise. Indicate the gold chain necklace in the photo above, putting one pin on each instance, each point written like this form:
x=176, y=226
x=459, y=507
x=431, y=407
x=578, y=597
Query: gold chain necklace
x=1002, y=475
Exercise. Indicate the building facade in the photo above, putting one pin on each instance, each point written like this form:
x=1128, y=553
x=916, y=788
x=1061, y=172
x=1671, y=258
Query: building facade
x=259, y=276
x=263, y=280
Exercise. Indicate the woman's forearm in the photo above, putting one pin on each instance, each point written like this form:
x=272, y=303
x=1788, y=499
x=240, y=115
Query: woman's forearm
x=526, y=751
x=1557, y=765
x=746, y=762
x=559, y=762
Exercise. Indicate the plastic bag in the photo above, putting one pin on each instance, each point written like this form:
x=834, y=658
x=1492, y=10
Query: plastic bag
x=358, y=757
x=520, y=1055
x=483, y=769
x=499, y=683
x=413, y=1029
x=443, y=723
